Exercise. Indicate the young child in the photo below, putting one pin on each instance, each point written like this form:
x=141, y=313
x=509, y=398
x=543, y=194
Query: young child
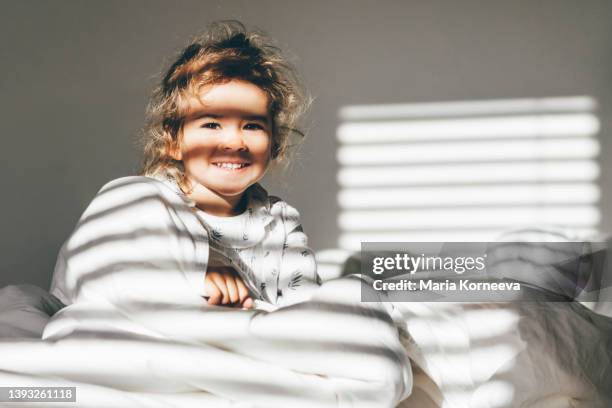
x=196, y=224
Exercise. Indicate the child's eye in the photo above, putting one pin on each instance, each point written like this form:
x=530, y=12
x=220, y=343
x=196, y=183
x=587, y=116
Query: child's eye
x=211, y=125
x=253, y=126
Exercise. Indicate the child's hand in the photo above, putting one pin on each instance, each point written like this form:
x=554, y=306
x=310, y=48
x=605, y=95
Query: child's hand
x=223, y=286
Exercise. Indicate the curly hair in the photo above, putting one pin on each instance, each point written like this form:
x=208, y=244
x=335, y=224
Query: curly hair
x=227, y=51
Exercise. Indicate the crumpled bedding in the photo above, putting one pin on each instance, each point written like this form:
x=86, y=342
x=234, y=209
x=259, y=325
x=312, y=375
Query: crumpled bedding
x=332, y=351
x=529, y=354
x=328, y=351
x=532, y=355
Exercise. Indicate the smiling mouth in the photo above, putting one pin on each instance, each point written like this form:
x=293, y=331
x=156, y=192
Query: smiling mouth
x=232, y=166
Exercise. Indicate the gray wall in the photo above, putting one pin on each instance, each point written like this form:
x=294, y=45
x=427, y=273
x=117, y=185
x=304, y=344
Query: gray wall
x=75, y=75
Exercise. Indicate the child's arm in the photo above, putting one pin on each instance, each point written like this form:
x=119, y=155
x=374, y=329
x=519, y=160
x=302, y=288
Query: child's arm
x=298, y=275
x=131, y=246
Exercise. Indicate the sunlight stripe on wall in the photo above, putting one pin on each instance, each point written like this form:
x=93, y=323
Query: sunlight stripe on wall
x=434, y=174
x=449, y=196
x=485, y=128
x=504, y=217
x=467, y=151
x=352, y=240
x=468, y=108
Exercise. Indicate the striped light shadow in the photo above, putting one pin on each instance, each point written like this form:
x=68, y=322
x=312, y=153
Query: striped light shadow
x=465, y=349
x=468, y=108
x=469, y=151
x=466, y=171
x=517, y=127
x=497, y=173
x=503, y=217
x=352, y=240
x=527, y=194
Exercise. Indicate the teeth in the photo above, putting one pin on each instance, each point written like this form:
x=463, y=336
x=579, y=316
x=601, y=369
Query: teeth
x=230, y=165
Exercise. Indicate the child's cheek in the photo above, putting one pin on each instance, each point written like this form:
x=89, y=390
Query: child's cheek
x=262, y=148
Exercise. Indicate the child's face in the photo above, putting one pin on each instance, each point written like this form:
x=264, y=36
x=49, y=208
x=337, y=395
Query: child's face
x=226, y=142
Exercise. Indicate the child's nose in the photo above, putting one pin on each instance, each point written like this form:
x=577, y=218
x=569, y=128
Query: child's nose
x=233, y=140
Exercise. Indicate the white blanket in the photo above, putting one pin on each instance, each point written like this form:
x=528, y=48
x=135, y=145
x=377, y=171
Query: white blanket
x=332, y=351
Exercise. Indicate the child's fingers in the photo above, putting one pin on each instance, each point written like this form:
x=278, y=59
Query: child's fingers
x=243, y=292
x=214, y=293
x=232, y=289
x=220, y=283
x=248, y=303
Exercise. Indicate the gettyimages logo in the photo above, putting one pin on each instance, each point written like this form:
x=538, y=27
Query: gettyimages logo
x=413, y=264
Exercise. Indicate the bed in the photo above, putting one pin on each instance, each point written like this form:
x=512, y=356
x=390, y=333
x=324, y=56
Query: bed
x=333, y=351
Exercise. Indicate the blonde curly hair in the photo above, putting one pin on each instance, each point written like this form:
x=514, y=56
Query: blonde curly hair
x=227, y=51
